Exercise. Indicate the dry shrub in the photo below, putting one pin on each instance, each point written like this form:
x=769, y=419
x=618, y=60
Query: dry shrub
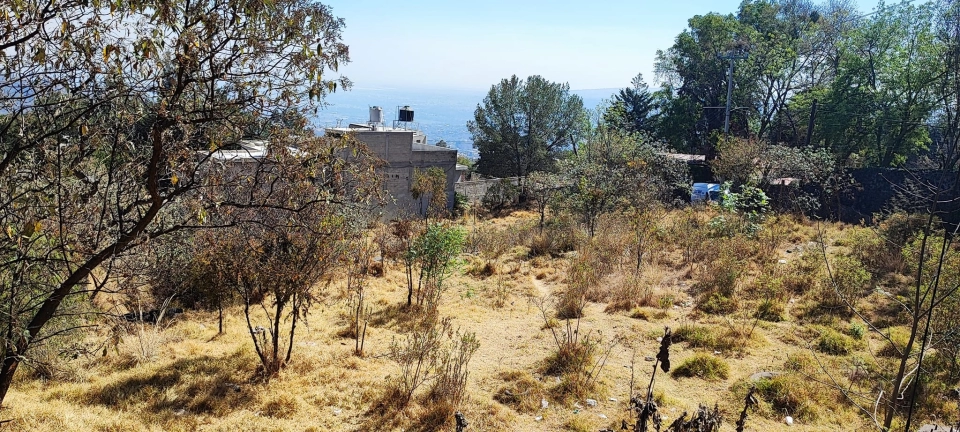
x=281, y=406
x=642, y=314
x=59, y=362
x=703, y=366
x=579, y=357
x=845, y=283
x=776, y=231
x=520, y=391
x=804, y=273
x=881, y=250
x=434, y=351
x=718, y=282
x=583, y=281
x=593, y=263
x=690, y=232
x=450, y=383
x=794, y=395
x=578, y=424
x=730, y=339
x=418, y=354
x=480, y=267
x=559, y=236
x=490, y=243
x=629, y=292
x=573, y=355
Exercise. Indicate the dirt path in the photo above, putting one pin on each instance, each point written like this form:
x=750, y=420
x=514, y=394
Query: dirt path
x=542, y=288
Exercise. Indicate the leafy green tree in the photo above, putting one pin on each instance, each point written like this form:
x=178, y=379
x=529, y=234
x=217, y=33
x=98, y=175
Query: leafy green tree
x=946, y=116
x=883, y=94
x=632, y=109
x=523, y=126
x=434, y=253
x=430, y=184
x=615, y=171
x=791, y=47
x=695, y=82
x=788, y=45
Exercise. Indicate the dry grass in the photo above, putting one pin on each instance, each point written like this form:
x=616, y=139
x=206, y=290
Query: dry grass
x=185, y=377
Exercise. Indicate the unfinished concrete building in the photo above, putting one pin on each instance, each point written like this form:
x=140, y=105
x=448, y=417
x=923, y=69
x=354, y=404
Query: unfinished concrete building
x=404, y=150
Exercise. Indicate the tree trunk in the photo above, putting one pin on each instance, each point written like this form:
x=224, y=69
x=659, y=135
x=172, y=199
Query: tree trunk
x=409, y=284
x=7, y=371
x=914, y=327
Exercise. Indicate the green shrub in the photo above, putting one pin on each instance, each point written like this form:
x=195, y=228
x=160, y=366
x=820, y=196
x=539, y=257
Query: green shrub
x=834, y=342
x=717, y=303
x=900, y=228
x=461, y=203
x=704, y=366
x=799, y=362
x=697, y=336
x=847, y=285
x=751, y=202
x=771, y=310
x=792, y=395
x=718, y=283
x=857, y=331
x=899, y=336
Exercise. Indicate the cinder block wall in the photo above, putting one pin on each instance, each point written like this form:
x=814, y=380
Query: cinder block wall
x=397, y=149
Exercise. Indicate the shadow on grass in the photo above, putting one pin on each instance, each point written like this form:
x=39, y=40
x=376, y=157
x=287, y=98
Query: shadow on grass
x=398, y=317
x=165, y=393
x=385, y=412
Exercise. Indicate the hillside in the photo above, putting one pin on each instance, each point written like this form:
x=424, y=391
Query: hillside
x=182, y=375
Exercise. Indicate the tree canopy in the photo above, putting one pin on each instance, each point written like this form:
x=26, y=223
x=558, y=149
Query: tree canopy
x=523, y=126
x=632, y=109
x=883, y=83
x=113, y=116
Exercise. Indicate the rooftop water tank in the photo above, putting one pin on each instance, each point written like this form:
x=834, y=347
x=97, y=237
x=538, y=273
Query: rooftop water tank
x=406, y=114
x=376, y=114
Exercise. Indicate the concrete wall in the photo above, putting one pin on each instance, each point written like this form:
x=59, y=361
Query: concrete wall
x=475, y=190
x=403, y=154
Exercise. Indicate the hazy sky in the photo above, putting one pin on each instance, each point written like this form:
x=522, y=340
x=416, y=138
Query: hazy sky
x=456, y=44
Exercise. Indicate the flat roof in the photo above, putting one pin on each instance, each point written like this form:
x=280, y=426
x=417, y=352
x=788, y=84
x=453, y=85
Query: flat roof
x=365, y=128
x=428, y=147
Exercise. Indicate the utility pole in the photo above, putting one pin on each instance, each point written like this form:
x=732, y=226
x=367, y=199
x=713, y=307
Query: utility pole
x=813, y=115
x=731, y=57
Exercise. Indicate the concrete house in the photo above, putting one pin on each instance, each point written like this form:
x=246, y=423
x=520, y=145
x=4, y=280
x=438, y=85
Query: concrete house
x=404, y=150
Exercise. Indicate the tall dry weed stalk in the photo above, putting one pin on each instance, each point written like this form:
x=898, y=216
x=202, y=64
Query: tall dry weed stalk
x=579, y=357
x=434, y=351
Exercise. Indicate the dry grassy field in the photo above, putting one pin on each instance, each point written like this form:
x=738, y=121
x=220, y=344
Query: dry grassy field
x=183, y=375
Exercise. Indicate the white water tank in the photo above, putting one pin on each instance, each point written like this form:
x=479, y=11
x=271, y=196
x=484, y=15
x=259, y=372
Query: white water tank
x=376, y=114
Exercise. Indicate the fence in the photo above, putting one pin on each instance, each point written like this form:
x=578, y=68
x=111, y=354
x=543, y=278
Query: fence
x=475, y=190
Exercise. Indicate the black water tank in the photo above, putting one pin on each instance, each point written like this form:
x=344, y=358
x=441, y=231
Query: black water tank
x=406, y=114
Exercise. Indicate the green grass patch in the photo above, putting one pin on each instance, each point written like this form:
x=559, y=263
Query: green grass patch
x=703, y=366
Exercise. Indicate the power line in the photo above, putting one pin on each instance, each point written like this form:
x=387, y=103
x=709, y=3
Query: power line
x=876, y=11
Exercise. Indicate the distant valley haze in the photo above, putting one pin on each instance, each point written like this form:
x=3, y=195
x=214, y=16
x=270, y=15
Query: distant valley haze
x=442, y=114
